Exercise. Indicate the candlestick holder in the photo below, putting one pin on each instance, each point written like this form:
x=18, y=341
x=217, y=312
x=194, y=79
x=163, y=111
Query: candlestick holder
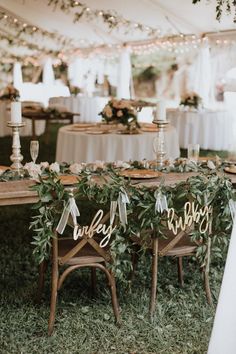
x=159, y=142
x=16, y=156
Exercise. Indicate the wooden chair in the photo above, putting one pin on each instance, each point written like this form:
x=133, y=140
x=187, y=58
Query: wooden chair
x=177, y=246
x=72, y=255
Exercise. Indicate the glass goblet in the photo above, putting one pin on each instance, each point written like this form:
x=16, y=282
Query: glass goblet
x=34, y=150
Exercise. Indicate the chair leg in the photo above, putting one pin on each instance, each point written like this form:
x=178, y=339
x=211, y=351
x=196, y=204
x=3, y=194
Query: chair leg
x=93, y=280
x=180, y=271
x=207, y=286
x=154, y=276
x=53, y=298
x=134, y=261
x=115, y=305
x=42, y=269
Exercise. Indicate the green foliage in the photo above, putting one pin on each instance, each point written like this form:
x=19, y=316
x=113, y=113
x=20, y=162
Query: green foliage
x=206, y=189
x=222, y=5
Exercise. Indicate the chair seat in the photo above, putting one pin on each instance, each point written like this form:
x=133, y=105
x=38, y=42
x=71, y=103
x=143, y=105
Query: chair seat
x=86, y=255
x=184, y=247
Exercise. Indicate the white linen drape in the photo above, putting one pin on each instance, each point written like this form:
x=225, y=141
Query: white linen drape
x=124, y=75
x=202, y=77
x=17, y=75
x=223, y=338
x=48, y=73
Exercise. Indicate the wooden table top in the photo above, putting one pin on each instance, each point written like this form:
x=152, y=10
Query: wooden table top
x=19, y=192
x=41, y=115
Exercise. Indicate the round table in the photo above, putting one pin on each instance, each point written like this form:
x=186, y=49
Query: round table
x=210, y=129
x=87, y=107
x=74, y=146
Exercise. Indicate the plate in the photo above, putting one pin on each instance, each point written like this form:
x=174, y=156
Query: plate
x=68, y=180
x=138, y=173
x=231, y=169
x=150, y=129
x=97, y=132
x=4, y=168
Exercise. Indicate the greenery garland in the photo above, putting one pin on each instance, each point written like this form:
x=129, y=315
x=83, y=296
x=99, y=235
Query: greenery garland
x=228, y=5
x=111, y=18
x=205, y=189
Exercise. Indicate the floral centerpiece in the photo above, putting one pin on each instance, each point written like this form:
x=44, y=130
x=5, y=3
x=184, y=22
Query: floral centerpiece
x=121, y=112
x=191, y=99
x=9, y=93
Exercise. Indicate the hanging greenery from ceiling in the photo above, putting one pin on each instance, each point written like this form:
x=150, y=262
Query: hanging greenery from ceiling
x=223, y=5
x=21, y=27
x=111, y=18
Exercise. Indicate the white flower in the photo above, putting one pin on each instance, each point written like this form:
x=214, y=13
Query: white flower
x=122, y=164
x=119, y=113
x=33, y=169
x=98, y=164
x=76, y=168
x=211, y=165
x=54, y=167
x=107, y=111
x=44, y=165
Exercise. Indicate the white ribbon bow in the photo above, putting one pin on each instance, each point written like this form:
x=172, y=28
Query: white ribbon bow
x=70, y=209
x=161, y=202
x=122, y=200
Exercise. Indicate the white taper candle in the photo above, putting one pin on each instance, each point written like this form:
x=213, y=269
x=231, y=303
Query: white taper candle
x=161, y=110
x=16, y=116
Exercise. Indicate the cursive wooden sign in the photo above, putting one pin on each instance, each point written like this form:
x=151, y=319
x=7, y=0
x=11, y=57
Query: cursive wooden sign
x=192, y=214
x=96, y=227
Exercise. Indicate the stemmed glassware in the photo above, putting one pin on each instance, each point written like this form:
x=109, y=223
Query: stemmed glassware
x=34, y=150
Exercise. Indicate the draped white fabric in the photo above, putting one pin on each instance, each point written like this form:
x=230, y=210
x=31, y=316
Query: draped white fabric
x=202, y=77
x=17, y=75
x=124, y=75
x=74, y=146
x=223, y=338
x=212, y=129
x=48, y=73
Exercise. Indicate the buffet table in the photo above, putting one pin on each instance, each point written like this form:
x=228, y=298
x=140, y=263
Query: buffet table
x=211, y=129
x=87, y=107
x=89, y=146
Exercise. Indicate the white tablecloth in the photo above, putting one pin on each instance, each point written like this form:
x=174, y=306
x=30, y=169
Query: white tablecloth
x=25, y=131
x=211, y=129
x=88, y=107
x=75, y=146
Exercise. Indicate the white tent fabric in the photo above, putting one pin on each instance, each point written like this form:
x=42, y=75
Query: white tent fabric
x=223, y=339
x=124, y=75
x=170, y=17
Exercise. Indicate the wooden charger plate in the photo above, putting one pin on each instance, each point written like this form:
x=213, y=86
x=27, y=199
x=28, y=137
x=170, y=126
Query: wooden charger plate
x=230, y=169
x=4, y=168
x=138, y=173
x=68, y=180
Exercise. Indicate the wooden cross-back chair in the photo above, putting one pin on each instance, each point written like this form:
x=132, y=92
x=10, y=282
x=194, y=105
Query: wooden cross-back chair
x=178, y=246
x=72, y=255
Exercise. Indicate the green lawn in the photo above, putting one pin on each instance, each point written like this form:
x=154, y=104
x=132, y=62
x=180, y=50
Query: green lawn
x=85, y=325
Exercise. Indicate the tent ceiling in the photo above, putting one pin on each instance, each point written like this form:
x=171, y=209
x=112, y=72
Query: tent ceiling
x=170, y=17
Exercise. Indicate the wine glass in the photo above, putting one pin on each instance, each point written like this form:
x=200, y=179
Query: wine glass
x=34, y=150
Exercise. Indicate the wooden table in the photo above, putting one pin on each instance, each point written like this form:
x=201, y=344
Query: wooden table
x=49, y=118
x=18, y=192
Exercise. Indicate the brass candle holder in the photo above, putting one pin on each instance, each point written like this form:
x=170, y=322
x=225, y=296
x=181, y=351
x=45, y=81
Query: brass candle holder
x=16, y=156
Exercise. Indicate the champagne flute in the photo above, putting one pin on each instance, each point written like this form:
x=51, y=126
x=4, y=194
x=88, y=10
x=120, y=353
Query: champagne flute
x=34, y=150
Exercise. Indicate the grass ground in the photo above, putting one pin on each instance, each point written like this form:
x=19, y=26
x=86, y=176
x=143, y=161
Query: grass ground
x=85, y=325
